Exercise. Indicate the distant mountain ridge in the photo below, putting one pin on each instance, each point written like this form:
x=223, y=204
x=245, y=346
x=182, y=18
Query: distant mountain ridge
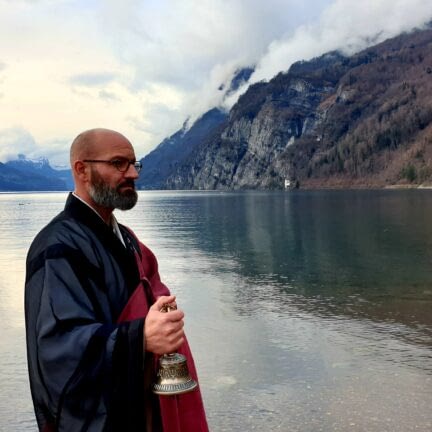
x=33, y=175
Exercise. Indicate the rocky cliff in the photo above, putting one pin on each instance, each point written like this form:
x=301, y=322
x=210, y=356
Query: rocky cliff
x=335, y=121
x=173, y=151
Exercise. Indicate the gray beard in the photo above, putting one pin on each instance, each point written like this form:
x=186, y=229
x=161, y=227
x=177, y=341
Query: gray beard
x=108, y=197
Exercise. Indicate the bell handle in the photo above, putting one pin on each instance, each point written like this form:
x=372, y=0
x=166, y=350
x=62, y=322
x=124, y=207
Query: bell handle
x=168, y=307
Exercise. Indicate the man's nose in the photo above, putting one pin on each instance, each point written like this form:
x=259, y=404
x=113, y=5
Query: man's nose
x=132, y=172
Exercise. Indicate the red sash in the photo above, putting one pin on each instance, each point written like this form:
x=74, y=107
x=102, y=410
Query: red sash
x=180, y=413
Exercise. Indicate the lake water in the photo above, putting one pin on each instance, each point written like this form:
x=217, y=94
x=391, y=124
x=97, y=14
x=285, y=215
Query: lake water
x=306, y=311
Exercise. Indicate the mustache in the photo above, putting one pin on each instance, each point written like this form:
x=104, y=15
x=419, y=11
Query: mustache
x=129, y=183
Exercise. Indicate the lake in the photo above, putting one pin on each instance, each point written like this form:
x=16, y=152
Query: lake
x=306, y=310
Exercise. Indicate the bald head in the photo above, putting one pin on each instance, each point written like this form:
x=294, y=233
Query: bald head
x=88, y=144
x=98, y=180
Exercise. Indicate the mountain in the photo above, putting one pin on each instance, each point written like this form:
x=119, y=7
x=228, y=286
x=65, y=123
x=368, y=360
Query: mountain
x=334, y=121
x=240, y=77
x=28, y=175
x=173, y=151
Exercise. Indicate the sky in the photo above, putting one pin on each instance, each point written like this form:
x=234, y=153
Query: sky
x=143, y=67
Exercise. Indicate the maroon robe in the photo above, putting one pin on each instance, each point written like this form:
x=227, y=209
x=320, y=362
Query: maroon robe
x=179, y=413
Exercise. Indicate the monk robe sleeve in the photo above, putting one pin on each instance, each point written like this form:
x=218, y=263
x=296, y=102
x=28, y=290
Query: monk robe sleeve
x=85, y=370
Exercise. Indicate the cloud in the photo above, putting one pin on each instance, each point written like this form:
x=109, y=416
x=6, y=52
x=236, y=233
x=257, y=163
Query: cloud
x=2, y=77
x=144, y=67
x=19, y=141
x=179, y=42
x=14, y=141
x=190, y=48
x=92, y=79
x=108, y=96
x=30, y=2
x=56, y=151
x=345, y=25
x=194, y=47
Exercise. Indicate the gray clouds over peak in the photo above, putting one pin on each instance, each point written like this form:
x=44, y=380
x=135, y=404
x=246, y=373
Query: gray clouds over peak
x=144, y=66
x=92, y=79
x=179, y=42
x=194, y=47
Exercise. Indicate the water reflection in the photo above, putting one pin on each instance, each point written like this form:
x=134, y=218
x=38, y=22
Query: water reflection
x=305, y=311
x=325, y=300
x=21, y=217
x=356, y=254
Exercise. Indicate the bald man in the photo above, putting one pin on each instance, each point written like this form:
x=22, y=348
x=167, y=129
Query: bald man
x=93, y=307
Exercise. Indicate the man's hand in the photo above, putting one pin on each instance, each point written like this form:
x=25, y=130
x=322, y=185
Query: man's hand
x=163, y=331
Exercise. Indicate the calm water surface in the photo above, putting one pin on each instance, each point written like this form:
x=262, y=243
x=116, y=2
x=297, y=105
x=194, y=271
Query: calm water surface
x=306, y=311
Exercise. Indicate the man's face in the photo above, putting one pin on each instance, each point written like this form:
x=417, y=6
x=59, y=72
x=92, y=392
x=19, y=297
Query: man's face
x=110, y=185
x=117, y=191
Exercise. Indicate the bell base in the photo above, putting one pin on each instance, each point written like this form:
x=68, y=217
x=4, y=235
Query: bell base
x=173, y=376
x=174, y=389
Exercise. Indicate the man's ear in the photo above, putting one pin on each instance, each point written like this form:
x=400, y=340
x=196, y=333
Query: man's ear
x=81, y=170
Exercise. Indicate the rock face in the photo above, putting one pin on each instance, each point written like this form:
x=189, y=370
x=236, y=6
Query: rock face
x=174, y=151
x=178, y=150
x=334, y=121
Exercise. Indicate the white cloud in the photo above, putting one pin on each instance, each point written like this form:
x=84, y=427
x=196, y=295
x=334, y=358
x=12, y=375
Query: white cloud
x=143, y=67
x=180, y=42
x=14, y=141
x=192, y=47
x=345, y=25
x=92, y=79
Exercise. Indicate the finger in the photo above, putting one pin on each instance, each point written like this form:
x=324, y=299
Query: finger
x=174, y=334
x=174, y=316
x=161, y=301
x=176, y=343
x=174, y=328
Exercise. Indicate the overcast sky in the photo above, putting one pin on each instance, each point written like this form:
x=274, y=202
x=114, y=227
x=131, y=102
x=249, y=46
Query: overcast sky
x=143, y=66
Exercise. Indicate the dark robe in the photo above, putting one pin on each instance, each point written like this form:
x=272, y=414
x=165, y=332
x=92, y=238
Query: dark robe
x=87, y=370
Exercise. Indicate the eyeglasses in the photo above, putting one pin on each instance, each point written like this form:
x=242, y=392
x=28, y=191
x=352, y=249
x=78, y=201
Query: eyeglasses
x=120, y=163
